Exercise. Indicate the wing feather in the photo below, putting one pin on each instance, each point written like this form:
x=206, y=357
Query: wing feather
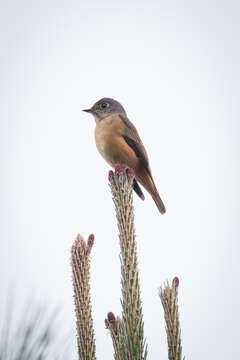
x=133, y=140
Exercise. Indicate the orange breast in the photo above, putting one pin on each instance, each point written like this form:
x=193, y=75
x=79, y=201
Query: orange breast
x=111, y=145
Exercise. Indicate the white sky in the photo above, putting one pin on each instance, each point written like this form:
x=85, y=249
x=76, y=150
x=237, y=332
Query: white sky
x=175, y=68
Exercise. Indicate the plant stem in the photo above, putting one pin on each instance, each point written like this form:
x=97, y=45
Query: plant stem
x=132, y=334
x=80, y=261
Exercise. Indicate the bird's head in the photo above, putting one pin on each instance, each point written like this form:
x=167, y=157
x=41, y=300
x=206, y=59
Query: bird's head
x=104, y=108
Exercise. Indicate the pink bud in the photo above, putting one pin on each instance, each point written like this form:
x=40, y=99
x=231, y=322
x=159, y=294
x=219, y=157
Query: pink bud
x=175, y=283
x=130, y=173
x=110, y=175
x=111, y=317
x=118, y=169
x=90, y=240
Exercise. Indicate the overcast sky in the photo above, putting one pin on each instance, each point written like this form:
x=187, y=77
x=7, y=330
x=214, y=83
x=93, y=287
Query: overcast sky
x=174, y=65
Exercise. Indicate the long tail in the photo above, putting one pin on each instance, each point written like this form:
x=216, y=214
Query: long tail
x=145, y=178
x=137, y=189
x=158, y=201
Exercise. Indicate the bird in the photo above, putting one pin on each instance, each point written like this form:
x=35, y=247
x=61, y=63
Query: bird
x=118, y=142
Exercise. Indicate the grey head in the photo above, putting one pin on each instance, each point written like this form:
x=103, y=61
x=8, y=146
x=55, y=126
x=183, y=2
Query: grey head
x=104, y=108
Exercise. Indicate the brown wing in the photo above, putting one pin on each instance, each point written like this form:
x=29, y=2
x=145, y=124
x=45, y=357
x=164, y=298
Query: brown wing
x=133, y=140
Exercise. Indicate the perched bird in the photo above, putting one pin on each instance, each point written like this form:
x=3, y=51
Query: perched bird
x=118, y=141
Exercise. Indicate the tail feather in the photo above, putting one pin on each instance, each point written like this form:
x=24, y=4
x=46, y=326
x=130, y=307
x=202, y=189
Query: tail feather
x=147, y=182
x=137, y=189
x=158, y=201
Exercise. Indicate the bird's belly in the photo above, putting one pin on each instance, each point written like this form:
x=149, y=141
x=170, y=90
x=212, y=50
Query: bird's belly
x=107, y=148
x=103, y=148
x=114, y=149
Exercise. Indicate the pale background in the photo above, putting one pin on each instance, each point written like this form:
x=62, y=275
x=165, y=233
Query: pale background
x=174, y=65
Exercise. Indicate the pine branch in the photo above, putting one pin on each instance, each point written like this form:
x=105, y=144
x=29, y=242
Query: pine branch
x=113, y=324
x=169, y=299
x=131, y=341
x=80, y=261
x=32, y=335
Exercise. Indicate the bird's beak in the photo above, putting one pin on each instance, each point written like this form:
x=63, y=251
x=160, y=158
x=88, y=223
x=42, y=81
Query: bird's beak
x=88, y=110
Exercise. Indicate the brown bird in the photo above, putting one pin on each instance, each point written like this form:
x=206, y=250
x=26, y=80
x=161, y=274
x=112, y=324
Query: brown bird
x=118, y=141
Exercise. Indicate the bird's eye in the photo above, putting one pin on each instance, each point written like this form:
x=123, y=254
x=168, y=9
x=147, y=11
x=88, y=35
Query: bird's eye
x=104, y=105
